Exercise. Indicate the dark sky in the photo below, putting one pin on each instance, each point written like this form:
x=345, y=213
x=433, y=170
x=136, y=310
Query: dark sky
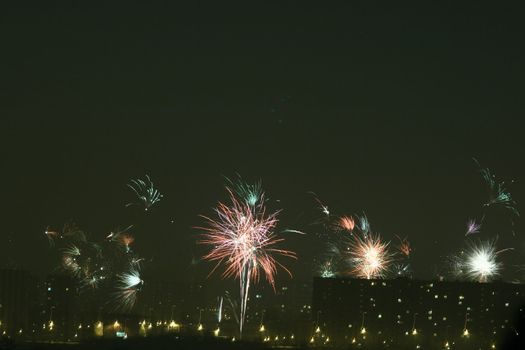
x=375, y=107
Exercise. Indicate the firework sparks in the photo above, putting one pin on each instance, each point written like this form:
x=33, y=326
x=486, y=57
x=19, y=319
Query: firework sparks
x=130, y=279
x=472, y=227
x=346, y=223
x=478, y=263
x=364, y=225
x=122, y=238
x=498, y=194
x=326, y=269
x=401, y=270
x=404, y=246
x=242, y=239
x=369, y=256
x=481, y=261
x=93, y=265
x=128, y=286
x=324, y=208
x=147, y=194
x=252, y=194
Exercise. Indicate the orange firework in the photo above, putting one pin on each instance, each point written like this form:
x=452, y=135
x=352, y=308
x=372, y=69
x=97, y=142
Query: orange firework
x=346, y=223
x=404, y=246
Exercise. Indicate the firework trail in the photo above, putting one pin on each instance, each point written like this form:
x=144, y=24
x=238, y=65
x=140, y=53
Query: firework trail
x=219, y=310
x=242, y=239
x=146, y=193
x=252, y=194
x=324, y=208
x=473, y=227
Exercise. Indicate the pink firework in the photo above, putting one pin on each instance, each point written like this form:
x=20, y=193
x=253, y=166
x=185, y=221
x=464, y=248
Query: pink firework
x=242, y=238
x=369, y=256
x=346, y=223
x=472, y=227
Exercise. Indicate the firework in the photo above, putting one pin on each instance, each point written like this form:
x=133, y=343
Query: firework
x=481, y=261
x=364, y=225
x=51, y=235
x=404, y=246
x=346, y=223
x=219, y=310
x=472, y=227
x=146, y=193
x=369, y=256
x=122, y=238
x=129, y=279
x=242, y=238
x=478, y=263
x=128, y=286
x=326, y=269
x=102, y=267
x=252, y=194
x=401, y=270
x=498, y=194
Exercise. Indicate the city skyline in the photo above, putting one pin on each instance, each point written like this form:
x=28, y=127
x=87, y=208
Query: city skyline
x=259, y=147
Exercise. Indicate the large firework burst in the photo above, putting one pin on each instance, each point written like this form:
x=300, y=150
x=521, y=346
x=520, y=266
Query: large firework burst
x=478, y=262
x=241, y=237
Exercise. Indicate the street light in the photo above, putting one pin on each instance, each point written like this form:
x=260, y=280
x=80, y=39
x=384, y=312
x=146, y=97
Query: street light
x=465, y=329
x=363, y=329
x=414, y=330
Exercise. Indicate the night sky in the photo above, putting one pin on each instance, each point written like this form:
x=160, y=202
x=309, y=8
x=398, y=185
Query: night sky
x=375, y=108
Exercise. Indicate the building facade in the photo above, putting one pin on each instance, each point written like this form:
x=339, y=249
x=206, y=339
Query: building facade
x=419, y=313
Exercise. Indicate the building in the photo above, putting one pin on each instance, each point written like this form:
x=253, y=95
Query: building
x=419, y=313
x=17, y=302
x=62, y=311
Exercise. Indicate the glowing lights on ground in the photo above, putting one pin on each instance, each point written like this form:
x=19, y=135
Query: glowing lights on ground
x=173, y=325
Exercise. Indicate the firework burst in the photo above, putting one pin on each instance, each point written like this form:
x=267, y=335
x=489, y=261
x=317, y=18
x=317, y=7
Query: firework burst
x=146, y=193
x=369, y=256
x=326, y=269
x=498, y=193
x=479, y=262
x=252, y=194
x=346, y=223
x=242, y=239
x=472, y=227
x=404, y=246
